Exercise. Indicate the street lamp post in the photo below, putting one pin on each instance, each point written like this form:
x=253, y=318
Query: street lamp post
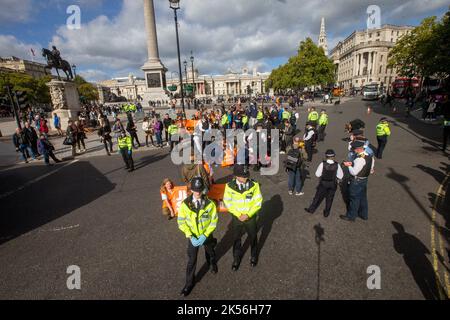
x=175, y=5
x=193, y=81
x=74, y=68
x=185, y=70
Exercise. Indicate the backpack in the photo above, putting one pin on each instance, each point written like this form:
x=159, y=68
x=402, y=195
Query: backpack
x=293, y=159
x=293, y=119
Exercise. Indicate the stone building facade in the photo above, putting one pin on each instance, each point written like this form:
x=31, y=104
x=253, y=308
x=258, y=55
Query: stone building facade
x=206, y=86
x=362, y=57
x=14, y=64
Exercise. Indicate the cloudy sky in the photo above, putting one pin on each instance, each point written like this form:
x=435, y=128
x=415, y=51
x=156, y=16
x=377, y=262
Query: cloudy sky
x=223, y=34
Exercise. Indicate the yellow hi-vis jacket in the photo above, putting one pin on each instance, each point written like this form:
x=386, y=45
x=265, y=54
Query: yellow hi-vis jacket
x=196, y=224
x=173, y=129
x=259, y=115
x=383, y=129
x=224, y=119
x=323, y=120
x=125, y=143
x=313, y=116
x=242, y=202
x=286, y=115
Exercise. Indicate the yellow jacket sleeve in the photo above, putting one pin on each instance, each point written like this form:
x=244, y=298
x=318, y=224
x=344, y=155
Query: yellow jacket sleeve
x=214, y=219
x=181, y=220
x=256, y=203
x=387, y=130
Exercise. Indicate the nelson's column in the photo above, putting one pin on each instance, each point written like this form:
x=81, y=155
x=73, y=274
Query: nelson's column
x=155, y=72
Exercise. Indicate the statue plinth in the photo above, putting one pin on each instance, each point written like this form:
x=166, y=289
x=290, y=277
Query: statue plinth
x=155, y=79
x=65, y=100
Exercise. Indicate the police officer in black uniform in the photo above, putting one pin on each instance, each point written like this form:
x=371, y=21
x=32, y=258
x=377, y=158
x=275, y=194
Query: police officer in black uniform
x=329, y=171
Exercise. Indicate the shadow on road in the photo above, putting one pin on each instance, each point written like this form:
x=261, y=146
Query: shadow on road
x=50, y=198
x=319, y=238
x=147, y=160
x=414, y=254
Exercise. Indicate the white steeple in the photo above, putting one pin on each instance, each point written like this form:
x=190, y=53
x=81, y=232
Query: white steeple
x=323, y=37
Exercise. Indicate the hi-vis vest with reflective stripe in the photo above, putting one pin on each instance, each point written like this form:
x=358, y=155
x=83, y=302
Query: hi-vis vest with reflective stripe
x=242, y=202
x=260, y=115
x=313, y=116
x=323, y=120
x=383, y=129
x=193, y=224
x=244, y=120
x=173, y=129
x=125, y=143
x=224, y=119
x=286, y=115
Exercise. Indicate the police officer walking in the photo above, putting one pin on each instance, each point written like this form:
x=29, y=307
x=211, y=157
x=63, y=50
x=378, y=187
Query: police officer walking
x=309, y=138
x=198, y=218
x=329, y=171
x=323, y=122
x=313, y=117
x=125, y=148
x=383, y=132
x=359, y=169
x=243, y=199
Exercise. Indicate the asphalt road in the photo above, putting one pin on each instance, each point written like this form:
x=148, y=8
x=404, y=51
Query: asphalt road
x=93, y=214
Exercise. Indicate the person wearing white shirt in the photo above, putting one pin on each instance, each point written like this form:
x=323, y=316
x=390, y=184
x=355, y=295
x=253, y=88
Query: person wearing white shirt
x=329, y=172
x=359, y=169
x=308, y=137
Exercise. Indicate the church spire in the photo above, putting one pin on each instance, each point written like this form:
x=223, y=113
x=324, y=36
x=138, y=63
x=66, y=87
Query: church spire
x=323, y=37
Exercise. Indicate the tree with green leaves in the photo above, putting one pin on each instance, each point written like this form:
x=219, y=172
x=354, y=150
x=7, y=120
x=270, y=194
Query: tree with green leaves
x=36, y=89
x=425, y=51
x=310, y=67
x=87, y=91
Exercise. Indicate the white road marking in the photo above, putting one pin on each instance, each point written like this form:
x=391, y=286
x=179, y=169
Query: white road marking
x=7, y=194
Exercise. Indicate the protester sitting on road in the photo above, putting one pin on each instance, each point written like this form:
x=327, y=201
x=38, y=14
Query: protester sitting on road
x=167, y=192
x=46, y=148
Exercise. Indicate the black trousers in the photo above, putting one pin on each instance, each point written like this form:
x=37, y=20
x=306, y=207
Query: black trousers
x=309, y=149
x=326, y=192
x=128, y=159
x=192, y=252
x=251, y=229
x=321, y=133
x=134, y=137
x=382, y=141
x=446, y=135
x=108, y=142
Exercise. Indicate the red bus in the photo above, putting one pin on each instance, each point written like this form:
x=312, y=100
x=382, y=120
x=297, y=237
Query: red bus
x=400, y=85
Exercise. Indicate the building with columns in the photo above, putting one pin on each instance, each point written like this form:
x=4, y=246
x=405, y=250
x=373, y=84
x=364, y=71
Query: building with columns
x=206, y=86
x=14, y=64
x=362, y=57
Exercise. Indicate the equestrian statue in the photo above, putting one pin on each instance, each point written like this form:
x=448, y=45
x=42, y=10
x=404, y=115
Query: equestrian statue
x=54, y=60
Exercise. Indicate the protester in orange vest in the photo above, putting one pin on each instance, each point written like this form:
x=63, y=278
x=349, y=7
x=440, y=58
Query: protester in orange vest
x=167, y=193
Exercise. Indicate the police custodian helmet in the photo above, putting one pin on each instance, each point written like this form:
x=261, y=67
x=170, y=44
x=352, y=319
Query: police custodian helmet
x=197, y=184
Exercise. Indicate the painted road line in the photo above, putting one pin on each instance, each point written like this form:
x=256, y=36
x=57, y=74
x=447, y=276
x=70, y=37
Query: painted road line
x=440, y=194
x=7, y=194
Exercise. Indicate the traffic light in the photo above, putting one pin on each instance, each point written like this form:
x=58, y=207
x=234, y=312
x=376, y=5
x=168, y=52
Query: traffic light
x=22, y=98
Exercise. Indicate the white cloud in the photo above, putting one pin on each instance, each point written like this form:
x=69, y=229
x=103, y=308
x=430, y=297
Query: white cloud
x=224, y=34
x=93, y=75
x=13, y=11
x=11, y=46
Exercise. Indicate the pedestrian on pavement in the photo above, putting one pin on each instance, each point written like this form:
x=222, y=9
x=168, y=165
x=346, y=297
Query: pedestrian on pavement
x=360, y=170
x=167, y=194
x=132, y=130
x=32, y=136
x=323, y=122
x=166, y=122
x=46, y=148
x=329, y=172
x=81, y=135
x=294, y=168
x=383, y=132
x=22, y=145
x=126, y=150
x=197, y=219
x=147, y=127
x=158, y=127
x=43, y=128
x=57, y=124
x=71, y=136
x=309, y=138
x=104, y=133
x=243, y=199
